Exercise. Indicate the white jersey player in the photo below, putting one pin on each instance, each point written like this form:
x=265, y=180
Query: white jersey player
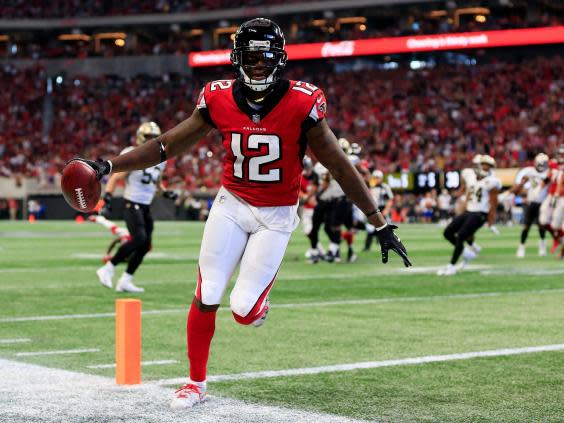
x=534, y=180
x=481, y=206
x=140, y=189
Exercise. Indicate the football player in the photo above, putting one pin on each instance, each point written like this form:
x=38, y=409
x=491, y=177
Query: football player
x=384, y=197
x=550, y=210
x=535, y=181
x=267, y=123
x=481, y=204
x=140, y=189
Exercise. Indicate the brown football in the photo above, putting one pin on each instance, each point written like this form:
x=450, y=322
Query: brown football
x=80, y=186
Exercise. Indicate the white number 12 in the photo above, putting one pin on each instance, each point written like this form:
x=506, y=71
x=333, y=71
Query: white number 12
x=254, y=142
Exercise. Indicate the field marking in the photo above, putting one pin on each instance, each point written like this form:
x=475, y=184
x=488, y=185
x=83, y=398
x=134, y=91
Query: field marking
x=143, y=363
x=36, y=393
x=384, y=300
x=15, y=341
x=152, y=255
x=34, y=353
x=372, y=364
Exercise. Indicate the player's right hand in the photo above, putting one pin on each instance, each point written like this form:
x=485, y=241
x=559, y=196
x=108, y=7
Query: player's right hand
x=390, y=241
x=101, y=167
x=106, y=210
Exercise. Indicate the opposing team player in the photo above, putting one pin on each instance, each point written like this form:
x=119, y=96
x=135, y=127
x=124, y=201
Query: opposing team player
x=535, y=181
x=481, y=204
x=266, y=123
x=140, y=189
x=384, y=197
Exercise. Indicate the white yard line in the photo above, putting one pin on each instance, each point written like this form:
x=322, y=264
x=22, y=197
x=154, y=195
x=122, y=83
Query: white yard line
x=36, y=393
x=384, y=300
x=372, y=364
x=15, y=341
x=59, y=352
x=143, y=363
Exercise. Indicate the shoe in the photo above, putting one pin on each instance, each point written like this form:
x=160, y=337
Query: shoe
x=447, y=271
x=262, y=319
x=468, y=254
x=313, y=255
x=521, y=251
x=105, y=276
x=542, y=248
x=125, y=284
x=187, y=397
x=352, y=258
x=476, y=248
x=329, y=257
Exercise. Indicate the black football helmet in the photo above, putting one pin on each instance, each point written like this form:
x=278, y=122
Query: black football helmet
x=259, y=46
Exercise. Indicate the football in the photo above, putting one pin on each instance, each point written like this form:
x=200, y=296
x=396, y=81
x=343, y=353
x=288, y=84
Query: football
x=80, y=186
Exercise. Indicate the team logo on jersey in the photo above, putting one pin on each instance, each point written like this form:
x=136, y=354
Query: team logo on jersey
x=256, y=118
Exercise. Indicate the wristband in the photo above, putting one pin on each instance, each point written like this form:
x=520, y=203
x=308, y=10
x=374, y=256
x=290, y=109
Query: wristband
x=162, y=151
x=382, y=227
x=375, y=211
x=111, y=167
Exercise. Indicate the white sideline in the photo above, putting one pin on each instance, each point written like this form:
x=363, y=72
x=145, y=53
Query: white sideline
x=143, y=363
x=31, y=393
x=15, y=341
x=296, y=305
x=59, y=352
x=371, y=364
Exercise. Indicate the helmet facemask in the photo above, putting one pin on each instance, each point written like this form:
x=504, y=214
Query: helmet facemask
x=269, y=61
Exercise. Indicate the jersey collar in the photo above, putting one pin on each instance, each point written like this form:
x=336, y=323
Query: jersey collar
x=271, y=101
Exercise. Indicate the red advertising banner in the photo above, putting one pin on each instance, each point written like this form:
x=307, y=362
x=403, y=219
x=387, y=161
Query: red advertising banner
x=371, y=46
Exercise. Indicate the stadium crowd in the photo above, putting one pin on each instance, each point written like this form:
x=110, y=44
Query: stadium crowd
x=424, y=120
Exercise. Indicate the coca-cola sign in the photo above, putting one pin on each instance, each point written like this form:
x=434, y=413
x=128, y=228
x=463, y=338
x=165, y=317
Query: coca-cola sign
x=343, y=48
x=484, y=39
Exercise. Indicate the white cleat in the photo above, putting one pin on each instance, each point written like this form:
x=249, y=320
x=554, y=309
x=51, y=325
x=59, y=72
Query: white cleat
x=476, y=248
x=126, y=285
x=468, y=254
x=542, y=248
x=262, y=319
x=187, y=397
x=447, y=271
x=521, y=251
x=105, y=276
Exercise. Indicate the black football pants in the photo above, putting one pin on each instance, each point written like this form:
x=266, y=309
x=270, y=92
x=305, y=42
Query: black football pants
x=140, y=226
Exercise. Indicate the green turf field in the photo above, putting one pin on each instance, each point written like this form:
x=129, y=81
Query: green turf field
x=362, y=312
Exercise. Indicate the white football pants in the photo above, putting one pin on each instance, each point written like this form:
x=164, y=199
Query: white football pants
x=236, y=233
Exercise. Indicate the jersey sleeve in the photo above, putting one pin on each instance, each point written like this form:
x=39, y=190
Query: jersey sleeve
x=202, y=105
x=317, y=111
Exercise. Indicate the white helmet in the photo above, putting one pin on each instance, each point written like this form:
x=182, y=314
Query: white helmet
x=541, y=162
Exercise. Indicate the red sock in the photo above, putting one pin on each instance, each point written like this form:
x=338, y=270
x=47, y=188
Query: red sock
x=348, y=237
x=199, y=330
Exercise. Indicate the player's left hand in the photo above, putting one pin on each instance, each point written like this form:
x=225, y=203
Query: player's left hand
x=171, y=195
x=390, y=241
x=494, y=230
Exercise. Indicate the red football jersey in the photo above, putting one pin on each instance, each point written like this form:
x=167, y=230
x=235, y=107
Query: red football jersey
x=265, y=146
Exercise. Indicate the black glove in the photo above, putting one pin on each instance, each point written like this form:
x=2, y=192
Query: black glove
x=106, y=210
x=102, y=167
x=389, y=241
x=171, y=195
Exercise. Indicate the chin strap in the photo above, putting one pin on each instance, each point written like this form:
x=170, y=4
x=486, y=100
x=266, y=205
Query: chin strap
x=259, y=86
